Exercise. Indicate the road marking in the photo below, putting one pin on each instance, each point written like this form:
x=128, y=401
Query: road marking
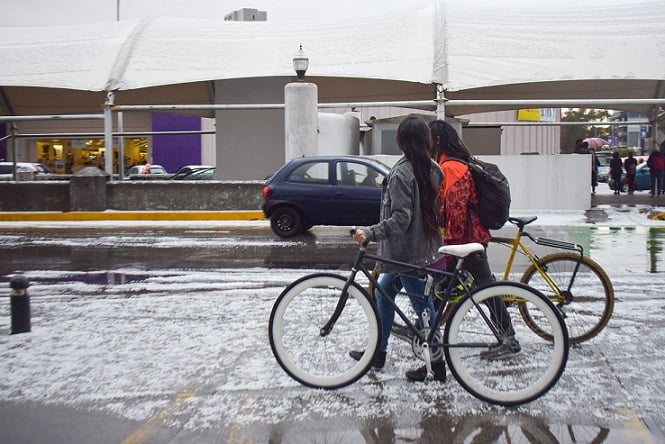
x=158, y=420
x=639, y=433
x=80, y=216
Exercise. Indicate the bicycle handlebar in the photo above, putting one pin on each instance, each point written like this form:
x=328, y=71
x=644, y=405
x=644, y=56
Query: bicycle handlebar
x=353, y=231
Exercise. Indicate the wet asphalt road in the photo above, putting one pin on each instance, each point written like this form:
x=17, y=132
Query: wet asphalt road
x=87, y=249
x=150, y=248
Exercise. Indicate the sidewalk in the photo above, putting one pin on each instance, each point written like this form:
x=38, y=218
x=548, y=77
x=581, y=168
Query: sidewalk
x=129, y=215
x=637, y=198
x=602, y=198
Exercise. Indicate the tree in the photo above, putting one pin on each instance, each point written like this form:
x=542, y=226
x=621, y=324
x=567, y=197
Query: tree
x=570, y=133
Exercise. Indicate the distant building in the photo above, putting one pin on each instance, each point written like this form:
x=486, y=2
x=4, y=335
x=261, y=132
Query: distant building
x=246, y=15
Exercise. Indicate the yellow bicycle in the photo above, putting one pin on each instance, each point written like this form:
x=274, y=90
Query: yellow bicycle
x=577, y=285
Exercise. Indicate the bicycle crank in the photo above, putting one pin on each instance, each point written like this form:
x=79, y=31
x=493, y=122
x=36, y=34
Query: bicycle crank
x=436, y=353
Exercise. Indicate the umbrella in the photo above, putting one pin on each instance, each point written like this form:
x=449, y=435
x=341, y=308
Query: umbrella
x=595, y=142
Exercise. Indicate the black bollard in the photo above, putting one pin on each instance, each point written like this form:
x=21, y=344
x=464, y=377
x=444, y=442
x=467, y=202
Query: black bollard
x=20, y=304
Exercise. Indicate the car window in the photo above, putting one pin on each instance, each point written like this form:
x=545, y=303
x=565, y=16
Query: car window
x=5, y=169
x=357, y=174
x=310, y=172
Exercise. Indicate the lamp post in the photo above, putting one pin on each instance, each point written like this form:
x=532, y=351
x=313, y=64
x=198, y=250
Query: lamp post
x=300, y=113
x=300, y=64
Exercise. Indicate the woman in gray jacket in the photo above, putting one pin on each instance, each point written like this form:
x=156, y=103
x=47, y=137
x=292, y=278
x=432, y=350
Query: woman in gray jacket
x=408, y=230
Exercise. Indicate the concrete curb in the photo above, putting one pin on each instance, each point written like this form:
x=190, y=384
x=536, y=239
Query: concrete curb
x=129, y=215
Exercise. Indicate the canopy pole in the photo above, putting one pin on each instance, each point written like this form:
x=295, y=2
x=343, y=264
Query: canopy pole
x=13, y=130
x=121, y=147
x=440, y=102
x=108, y=132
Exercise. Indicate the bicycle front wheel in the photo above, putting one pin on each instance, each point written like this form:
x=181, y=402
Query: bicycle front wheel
x=308, y=356
x=529, y=371
x=586, y=297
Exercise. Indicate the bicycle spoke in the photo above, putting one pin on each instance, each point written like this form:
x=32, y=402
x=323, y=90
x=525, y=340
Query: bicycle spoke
x=589, y=298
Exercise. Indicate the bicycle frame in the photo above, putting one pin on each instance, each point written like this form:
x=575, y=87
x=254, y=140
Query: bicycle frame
x=515, y=244
x=442, y=313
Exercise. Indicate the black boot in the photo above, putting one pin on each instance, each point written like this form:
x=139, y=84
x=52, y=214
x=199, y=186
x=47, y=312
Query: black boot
x=378, y=361
x=419, y=375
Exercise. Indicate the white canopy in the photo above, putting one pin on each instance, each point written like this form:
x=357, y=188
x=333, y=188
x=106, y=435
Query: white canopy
x=502, y=50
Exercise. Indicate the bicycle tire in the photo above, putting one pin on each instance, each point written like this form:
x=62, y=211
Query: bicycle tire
x=592, y=303
x=296, y=319
x=515, y=380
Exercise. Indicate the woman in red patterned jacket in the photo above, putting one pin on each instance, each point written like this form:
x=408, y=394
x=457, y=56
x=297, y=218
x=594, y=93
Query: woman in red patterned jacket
x=462, y=224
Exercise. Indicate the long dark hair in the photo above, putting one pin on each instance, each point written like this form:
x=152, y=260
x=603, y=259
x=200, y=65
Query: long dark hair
x=445, y=140
x=413, y=138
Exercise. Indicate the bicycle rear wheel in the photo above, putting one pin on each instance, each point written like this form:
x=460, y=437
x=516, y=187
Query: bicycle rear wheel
x=587, y=303
x=513, y=380
x=297, y=317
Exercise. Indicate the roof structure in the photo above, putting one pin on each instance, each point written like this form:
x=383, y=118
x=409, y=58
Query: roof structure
x=500, y=50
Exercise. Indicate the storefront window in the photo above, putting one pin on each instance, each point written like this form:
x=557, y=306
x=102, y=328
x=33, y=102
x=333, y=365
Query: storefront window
x=70, y=156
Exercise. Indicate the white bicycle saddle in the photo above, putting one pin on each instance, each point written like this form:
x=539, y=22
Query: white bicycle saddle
x=462, y=250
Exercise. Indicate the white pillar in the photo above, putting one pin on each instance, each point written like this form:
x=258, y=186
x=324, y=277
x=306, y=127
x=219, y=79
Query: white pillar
x=108, y=133
x=300, y=120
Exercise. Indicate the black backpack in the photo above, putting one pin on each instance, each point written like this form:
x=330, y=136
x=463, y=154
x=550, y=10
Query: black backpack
x=493, y=193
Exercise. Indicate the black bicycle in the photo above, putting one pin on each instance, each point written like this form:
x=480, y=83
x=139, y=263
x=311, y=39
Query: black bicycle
x=319, y=318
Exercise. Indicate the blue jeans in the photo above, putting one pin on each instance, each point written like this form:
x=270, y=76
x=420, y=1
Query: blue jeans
x=392, y=283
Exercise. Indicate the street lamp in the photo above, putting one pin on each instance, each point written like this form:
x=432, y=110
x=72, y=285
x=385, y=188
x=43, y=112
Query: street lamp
x=300, y=64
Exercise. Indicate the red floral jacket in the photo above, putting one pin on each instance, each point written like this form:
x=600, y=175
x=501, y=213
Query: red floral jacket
x=458, y=195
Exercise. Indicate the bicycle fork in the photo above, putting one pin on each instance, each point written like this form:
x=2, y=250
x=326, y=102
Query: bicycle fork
x=328, y=326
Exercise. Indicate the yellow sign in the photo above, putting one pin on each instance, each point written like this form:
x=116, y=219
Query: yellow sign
x=532, y=114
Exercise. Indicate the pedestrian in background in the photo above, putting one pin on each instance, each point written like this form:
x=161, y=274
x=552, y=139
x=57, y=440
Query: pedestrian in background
x=616, y=170
x=656, y=164
x=630, y=165
x=595, y=164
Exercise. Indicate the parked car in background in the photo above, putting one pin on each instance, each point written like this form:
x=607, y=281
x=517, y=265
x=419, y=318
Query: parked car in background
x=145, y=169
x=604, y=167
x=323, y=190
x=189, y=168
x=6, y=168
x=199, y=172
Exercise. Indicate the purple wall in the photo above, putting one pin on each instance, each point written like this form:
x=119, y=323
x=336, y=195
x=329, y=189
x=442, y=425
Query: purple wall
x=172, y=152
x=3, y=145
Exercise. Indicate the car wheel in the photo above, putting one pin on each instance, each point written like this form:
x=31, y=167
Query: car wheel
x=286, y=222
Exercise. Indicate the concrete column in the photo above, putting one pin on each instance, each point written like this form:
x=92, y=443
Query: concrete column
x=300, y=120
x=87, y=190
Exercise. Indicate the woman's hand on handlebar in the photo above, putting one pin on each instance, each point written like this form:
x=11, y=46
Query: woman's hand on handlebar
x=359, y=237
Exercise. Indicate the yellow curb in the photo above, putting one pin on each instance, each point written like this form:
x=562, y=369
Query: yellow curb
x=659, y=216
x=131, y=215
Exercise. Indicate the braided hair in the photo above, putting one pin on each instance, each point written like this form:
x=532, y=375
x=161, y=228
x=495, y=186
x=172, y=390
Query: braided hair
x=413, y=138
x=445, y=140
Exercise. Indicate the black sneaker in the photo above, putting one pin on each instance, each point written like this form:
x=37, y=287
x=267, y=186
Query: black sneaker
x=420, y=374
x=378, y=361
x=507, y=349
x=402, y=332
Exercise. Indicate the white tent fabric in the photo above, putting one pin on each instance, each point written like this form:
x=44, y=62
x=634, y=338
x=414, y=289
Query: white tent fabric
x=466, y=46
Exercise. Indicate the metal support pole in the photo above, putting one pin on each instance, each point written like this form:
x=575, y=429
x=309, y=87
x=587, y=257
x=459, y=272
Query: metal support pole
x=440, y=102
x=653, y=121
x=108, y=133
x=20, y=304
x=13, y=131
x=121, y=147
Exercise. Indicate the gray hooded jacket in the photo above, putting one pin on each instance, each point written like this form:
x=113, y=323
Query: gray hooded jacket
x=400, y=232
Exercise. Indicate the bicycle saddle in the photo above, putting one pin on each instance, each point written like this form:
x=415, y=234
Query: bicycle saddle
x=522, y=221
x=462, y=250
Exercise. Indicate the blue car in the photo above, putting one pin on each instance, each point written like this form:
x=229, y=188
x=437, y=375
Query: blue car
x=310, y=191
